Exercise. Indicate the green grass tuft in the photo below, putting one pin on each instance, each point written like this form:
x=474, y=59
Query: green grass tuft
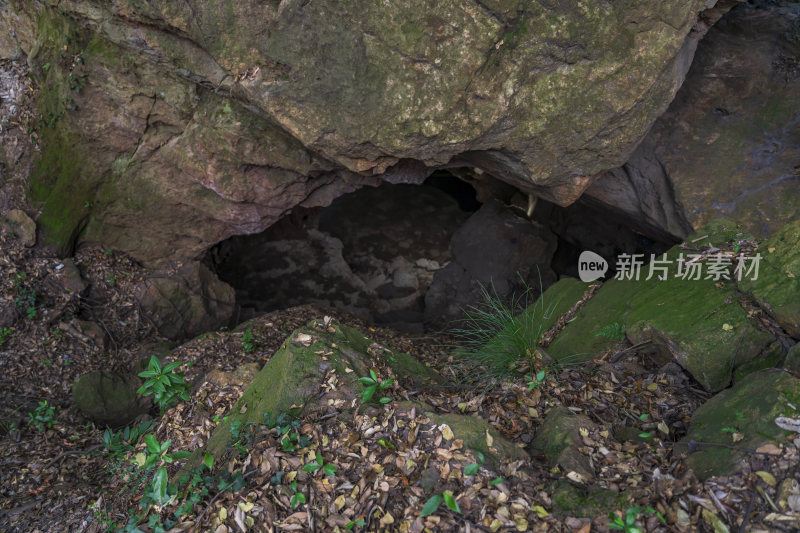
x=496, y=335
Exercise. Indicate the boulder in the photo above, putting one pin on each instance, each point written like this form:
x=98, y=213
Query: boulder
x=560, y=440
x=792, y=361
x=496, y=248
x=777, y=285
x=749, y=408
x=729, y=145
x=108, y=398
x=188, y=303
x=184, y=126
x=69, y=278
x=20, y=224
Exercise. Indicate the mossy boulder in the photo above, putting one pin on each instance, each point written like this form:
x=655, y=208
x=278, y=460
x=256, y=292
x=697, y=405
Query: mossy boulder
x=750, y=408
x=570, y=500
x=698, y=322
x=559, y=438
x=108, y=398
x=777, y=287
x=792, y=361
x=473, y=431
x=294, y=378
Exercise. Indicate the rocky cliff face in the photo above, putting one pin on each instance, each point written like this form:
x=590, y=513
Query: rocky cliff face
x=170, y=126
x=729, y=145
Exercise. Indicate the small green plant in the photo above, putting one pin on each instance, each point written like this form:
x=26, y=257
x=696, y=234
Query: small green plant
x=5, y=333
x=627, y=522
x=111, y=279
x=496, y=481
x=472, y=468
x=117, y=443
x=26, y=300
x=538, y=379
x=288, y=432
x=298, y=497
x=372, y=384
x=612, y=332
x=318, y=463
x=353, y=523
x=166, y=385
x=42, y=416
x=249, y=341
x=436, y=500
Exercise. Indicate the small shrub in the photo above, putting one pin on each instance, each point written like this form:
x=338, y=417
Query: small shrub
x=249, y=341
x=163, y=383
x=372, y=384
x=5, y=333
x=42, y=416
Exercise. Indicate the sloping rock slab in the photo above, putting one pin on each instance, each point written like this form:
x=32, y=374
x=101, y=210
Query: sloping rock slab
x=777, y=288
x=750, y=407
x=293, y=381
x=700, y=323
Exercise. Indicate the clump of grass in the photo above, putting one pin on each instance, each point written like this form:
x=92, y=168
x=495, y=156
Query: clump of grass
x=496, y=336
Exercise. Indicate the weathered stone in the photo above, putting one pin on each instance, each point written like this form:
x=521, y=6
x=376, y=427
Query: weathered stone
x=21, y=225
x=792, y=361
x=473, y=430
x=729, y=144
x=750, y=407
x=777, y=287
x=108, y=398
x=241, y=376
x=187, y=304
x=8, y=315
x=560, y=440
x=189, y=125
x=497, y=249
x=293, y=378
x=69, y=278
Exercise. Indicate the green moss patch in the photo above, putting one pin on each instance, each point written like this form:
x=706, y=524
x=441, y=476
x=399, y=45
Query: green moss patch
x=777, y=288
x=749, y=407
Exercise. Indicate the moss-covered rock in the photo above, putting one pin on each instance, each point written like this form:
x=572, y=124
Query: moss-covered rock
x=698, y=322
x=750, y=408
x=295, y=374
x=792, y=361
x=473, y=431
x=569, y=500
x=108, y=398
x=559, y=438
x=777, y=287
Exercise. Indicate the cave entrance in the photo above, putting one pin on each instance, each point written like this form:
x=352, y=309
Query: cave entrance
x=414, y=256
x=372, y=253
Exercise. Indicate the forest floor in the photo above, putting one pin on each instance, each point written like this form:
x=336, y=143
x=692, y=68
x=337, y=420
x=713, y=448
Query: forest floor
x=60, y=477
